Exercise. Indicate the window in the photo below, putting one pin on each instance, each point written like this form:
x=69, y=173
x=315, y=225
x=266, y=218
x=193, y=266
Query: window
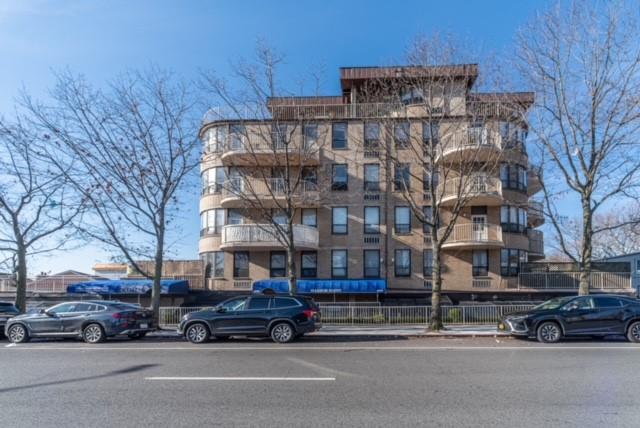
x=339, y=225
x=310, y=175
x=277, y=264
x=284, y=302
x=310, y=136
x=215, y=139
x=279, y=137
x=371, y=219
x=427, y=263
x=480, y=263
x=372, y=177
x=234, y=216
x=402, y=221
x=637, y=265
x=234, y=304
x=411, y=95
x=513, y=135
x=237, y=137
x=82, y=307
x=339, y=136
x=63, y=308
x=279, y=217
x=309, y=264
x=403, y=262
x=212, y=221
x=427, y=213
x=513, y=177
x=581, y=303
x=310, y=217
x=608, y=302
x=371, y=264
x=218, y=264
x=241, y=264
x=339, y=177
x=510, y=261
x=402, y=180
x=430, y=134
x=339, y=263
x=258, y=303
x=213, y=180
x=429, y=178
x=371, y=135
x=401, y=135
x=513, y=219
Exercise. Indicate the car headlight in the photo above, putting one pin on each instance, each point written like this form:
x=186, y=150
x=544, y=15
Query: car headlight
x=185, y=317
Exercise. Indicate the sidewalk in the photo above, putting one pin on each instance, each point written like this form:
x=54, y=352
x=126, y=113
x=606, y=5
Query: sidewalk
x=402, y=331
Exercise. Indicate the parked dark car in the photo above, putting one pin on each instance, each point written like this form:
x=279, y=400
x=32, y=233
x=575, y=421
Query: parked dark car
x=281, y=317
x=595, y=315
x=93, y=321
x=7, y=310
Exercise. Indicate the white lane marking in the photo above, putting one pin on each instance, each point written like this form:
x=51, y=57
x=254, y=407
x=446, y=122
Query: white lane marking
x=287, y=379
x=324, y=348
x=11, y=345
x=323, y=370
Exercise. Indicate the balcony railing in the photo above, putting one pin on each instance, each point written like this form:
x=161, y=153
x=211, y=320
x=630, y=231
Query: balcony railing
x=259, y=235
x=536, y=241
x=571, y=280
x=470, y=187
x=473, y=234
x=536, y=209
x=265, y=188
x=470, y=139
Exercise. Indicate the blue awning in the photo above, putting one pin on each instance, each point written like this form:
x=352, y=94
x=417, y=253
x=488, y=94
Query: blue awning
x=324, y=286
x=134, y=286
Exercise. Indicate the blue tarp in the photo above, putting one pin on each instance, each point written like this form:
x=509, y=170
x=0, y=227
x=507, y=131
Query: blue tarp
x=133, y=286
x=319, y=286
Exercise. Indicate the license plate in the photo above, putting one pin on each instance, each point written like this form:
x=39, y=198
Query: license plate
x=144, y=325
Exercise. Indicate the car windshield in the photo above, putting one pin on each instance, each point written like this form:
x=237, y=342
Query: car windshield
x=553, y=303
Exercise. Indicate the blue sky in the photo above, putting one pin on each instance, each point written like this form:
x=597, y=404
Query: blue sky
x=101, y=39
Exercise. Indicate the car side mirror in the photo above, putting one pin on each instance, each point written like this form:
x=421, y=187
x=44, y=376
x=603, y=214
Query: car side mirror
x=572, y=307
x=42, y=311
x=221, y=310
x=50, y=313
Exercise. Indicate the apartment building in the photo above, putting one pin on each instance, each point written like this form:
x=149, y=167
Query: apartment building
x=328, y=160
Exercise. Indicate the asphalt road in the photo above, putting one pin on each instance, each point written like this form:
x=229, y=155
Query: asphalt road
x=321, y=382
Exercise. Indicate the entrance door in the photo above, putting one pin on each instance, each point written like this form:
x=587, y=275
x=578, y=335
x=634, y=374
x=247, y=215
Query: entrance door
x=480, y=229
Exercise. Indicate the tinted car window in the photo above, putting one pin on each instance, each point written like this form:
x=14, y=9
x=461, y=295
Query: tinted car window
x=608, y=302
x=284, y=302
x=582, y=303
x=235, y=304
x=82, y=307
x=258, y=303
x=64, y=307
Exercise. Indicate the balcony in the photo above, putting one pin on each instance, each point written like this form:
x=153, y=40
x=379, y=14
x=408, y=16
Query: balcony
x=471, y=145
x=535, y=214
x=534, y=177
x=265, y=237
x=239, y=150
x=269, y=192
x=478, y=190
x=536, y=244
x=473, y=236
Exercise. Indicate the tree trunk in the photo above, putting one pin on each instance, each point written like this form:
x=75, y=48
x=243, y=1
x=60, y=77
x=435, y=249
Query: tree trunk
x=291, y=268
x=21, y=279
x=587, y=247
x=157, y=275
x=435, y=322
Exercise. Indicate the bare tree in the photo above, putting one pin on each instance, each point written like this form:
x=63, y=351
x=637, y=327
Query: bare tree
x=583, y=63
x=455, y=156
x=134, y=147
x=36, y=204
x=277, y=174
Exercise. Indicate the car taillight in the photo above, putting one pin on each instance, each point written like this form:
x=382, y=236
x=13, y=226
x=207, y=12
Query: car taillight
x=116, y=315
x=310, y=313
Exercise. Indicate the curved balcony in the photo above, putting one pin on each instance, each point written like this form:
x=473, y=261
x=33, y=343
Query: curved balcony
x=535, y=213
x=473, y=236
x=472, y=145
x=242, y=151
x=264, y=237
x=536, y=244
x=534, y=177
x=477, y=190
x=245, y=192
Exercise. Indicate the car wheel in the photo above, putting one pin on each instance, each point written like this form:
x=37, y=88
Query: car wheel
x=633, y=332
x=18, y=334
x=282, y=333
x=197, y=333
x=93, y=333
x=549, y=332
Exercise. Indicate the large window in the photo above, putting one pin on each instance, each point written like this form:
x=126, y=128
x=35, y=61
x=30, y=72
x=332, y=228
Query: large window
x=310, y=217
x=430, y=133
x=513, y=135
x=427, y=263
x=213, y=180
x=339, y=177
x=310, y=136
x=212, y=221
x=372, y=177
x=371, y=135
x=215, y=139
x=427, y=213
x=402, y=178
x=241, y=264
x=513, y=177
x=510, y=261
x=339, y=263
x=310, y=175
x=480, y=263
x=279, y=135
x=402, y=220
x=513, y=219
x=401, y=135
x=371, y=219
x=217, y=269
x=402, y=262
x=237, y=135
x=371, y=264
x=277, y=264
x=339, y=135
x=339, y=222
x=234, y=216
x=309, y=264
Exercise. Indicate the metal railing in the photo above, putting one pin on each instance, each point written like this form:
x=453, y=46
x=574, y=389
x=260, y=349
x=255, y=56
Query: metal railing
x=246, y=187
x=473, y=233
x=536, y=241
x=377, y=315
x=266, y=234
x=56, y=284
x=571, y=280
x=472, y=138
x=472, y=186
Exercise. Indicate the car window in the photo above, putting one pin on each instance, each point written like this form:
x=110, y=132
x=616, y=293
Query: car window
x=82, y=307
x=63, y=308
x=284, y=302
x=608, y=302
x=582, y=303
x=234, y=304
x=259, y=303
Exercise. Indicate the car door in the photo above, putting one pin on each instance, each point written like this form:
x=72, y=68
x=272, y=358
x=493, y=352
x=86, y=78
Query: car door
x=226, y=318
x=578, y=315
x=50, y=322
x=254, y=318
x=72, y=320
x=610, y=314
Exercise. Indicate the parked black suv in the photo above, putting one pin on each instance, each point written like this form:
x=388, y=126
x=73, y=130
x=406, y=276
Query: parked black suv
x=7, y=310
x=595, y=315
x=282, y=317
